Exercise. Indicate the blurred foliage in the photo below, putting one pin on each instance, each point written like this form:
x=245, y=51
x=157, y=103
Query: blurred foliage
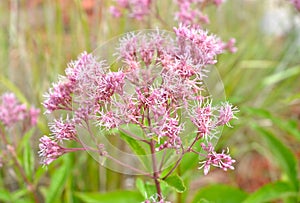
x=38, y=38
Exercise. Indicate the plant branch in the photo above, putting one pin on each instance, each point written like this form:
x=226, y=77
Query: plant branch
x=128, y=166
x=189, y=149
x=158, y=17
x=134, y=136
x=162, y=161
x=12, y=151
x=175, y=166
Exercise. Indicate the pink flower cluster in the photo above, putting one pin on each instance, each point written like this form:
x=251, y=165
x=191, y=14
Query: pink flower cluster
x=157, y=87
x=86, y=78
x=12, y=111
x=296, y=4
x=86, y=87
x=49, y=150
x=189, y=11
x=137, y=8
x=221, y=160
x=61, y=130
x=202, y=47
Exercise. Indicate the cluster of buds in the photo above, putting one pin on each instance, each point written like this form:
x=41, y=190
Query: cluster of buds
x=157, y=87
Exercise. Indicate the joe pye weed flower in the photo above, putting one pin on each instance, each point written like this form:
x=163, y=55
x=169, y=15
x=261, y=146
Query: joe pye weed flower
x=156, y=85
x=17, y=121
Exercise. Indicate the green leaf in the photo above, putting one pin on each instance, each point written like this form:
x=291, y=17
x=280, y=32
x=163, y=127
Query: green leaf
x=203, y=201
x=136, y=148
x=176, y=182
x=23, y=200
x=292, y=98
x=28, y=160
x=139, y=183
x=133, y=143
x=25, y=139
x=220, y=194
x=39, y=173
x=260, y=112
x=287, y=126
x=108, y=197
x=277, y=77
x=286, y=159
x=150, y=189
x=58, y=181
x=189, y=161
x=187, y=179
x=257, y=64
x=270, y=192
x=5, y=195
x=20, y=193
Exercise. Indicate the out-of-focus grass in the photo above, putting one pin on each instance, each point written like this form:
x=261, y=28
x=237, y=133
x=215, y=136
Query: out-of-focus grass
x=38, y=40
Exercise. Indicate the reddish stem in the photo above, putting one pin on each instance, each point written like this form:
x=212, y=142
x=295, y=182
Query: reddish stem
x=155, y=171
x=128, y=166
x=189, y=149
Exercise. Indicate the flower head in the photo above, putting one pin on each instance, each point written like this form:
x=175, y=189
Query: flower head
x=202, y=47
x=115, y=11
x=12, y=111
x=169, y=131
x=49, y=150
x=109, y=120
x=59, y=97
x=221, y=160
x=230, y=45
x=137, y=8
x=226, y=113
x=63, y=129
x=203, y=119
x=189, y=14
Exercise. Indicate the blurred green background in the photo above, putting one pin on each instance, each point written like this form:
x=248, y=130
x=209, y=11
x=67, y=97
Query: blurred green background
x=38, y=38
